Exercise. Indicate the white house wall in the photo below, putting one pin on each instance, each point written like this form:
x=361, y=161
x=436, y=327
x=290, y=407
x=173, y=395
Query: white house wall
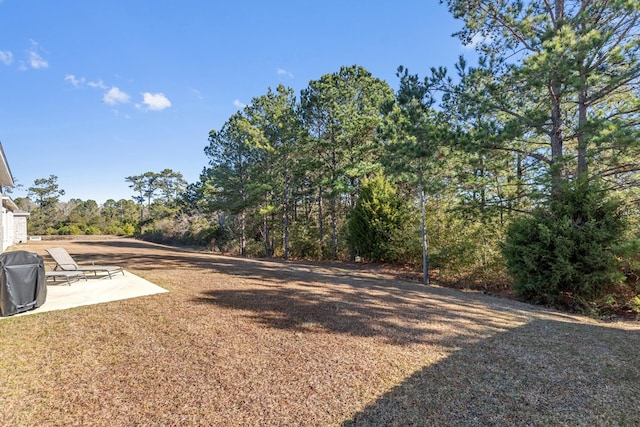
x=20, y=228
x=7, y=228
x=13, y=227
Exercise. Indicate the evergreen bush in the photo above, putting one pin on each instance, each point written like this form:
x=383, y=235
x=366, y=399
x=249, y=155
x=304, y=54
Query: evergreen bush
x=304, y=240
x=69, y=230
x=565, y=253
x=377, y=216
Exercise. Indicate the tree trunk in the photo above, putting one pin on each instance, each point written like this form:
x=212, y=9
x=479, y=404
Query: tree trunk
x=285, y=220
x=243, y=237
x=556, y=138
x=334, y=228
x=582, y=117
x=559, y=9
x=425, y=248
x=582, y=140
x=320, y=221
x=519, y=177
x=265, y=224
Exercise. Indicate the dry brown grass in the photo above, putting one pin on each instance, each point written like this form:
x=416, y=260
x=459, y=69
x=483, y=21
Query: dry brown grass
x=255, y=342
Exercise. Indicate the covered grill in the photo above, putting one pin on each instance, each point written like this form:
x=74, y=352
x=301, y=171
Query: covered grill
x=22, y=282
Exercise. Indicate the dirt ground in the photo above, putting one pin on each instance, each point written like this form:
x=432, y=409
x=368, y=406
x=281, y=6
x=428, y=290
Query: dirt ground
x=248, y=342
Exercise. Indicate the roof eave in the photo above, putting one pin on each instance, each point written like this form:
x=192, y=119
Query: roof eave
x=8, y=203
x=6, y=177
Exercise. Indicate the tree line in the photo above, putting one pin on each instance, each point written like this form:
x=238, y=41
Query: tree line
x=521, y=169
x=157, y=196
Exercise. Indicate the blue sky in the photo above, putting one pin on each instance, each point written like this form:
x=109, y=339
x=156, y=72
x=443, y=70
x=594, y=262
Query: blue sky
x=94, y=91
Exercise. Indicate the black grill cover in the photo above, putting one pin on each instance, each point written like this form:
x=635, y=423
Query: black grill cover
x=22, y=282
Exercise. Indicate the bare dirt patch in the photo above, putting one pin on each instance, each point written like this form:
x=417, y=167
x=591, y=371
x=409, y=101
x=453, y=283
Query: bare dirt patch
x=260, y=342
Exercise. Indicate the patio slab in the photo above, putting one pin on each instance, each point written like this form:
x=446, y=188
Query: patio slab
x=95, y=290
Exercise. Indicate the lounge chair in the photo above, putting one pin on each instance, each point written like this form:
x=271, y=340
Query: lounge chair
x=67, y=276
x=66, y=263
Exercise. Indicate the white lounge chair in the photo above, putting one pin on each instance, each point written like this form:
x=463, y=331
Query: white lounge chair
x=65, y=262
x=67, y=276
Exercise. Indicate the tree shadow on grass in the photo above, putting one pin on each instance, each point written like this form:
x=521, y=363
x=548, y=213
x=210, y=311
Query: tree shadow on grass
x=334, y=297
x=546, y=372
x=369, y=312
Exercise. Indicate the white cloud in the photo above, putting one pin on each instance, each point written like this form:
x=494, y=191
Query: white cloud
x=33, y=59
x=283, y=72
x=73, y=80
x=115, y=96
x=98, y=85
x=81, y=82
x=6, y=57
x=36, y=61
x=155, y=101
x=239, y=103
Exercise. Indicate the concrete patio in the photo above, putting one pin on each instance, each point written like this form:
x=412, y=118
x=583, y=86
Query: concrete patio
x=94, y=290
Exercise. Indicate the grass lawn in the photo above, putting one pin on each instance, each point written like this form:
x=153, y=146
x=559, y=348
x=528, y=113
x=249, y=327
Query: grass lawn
x=245, y=342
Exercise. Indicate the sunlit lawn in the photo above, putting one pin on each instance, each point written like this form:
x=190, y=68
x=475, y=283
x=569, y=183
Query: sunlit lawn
x=256, y=342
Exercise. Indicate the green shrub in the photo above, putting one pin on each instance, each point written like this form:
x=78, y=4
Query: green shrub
x=206, y=236
x=70, y=230
x=304, y=241
x=377, y=216
x=128, y=230
x=113, y=230
x=92, y=230
x=566, y=251
x=255, y=248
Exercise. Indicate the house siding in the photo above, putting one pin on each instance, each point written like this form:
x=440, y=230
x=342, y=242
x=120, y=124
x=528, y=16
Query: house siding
x=20, y=227
x=13, y=224
x=7, y=228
